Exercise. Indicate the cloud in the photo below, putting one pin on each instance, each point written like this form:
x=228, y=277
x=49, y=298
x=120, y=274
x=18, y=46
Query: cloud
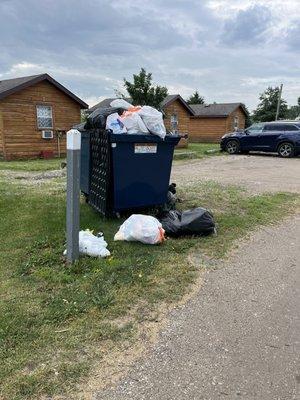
x=214, y=46
x=248, y=26
x=293, y=38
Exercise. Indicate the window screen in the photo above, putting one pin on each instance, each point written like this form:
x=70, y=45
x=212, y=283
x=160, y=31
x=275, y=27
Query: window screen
x=236, y=123
x=174, y=121
x=44, y=117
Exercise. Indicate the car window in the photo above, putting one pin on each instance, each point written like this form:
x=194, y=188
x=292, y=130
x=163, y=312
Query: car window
x=274, y=127
x=255, y=128
x=289, y=127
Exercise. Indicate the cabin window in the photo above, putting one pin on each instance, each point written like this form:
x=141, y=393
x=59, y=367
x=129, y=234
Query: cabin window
x=174, y=122
x=44, y=117
x=236, y=123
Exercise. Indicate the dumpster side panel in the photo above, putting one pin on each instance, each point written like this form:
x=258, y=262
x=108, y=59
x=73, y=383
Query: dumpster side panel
x=141, y=173
x=101, y=180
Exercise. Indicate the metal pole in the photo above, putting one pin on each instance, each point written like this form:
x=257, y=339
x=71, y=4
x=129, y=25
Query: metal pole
x=73, y=194
x=58, y=143
x=278, y=102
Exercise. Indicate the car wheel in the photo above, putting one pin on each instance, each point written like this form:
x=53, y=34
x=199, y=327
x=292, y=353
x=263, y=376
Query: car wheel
x=286, y=150
x=232, y=147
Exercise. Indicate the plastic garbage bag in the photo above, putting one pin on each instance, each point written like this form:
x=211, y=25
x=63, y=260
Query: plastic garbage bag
x=197, y=221
x=153, y=120
x=170, y=204
x=133, y=109
x=97, y=119
x=141, y=228
x=133, y=123
x=121, y=103
x=171, y=223
x=92, y=245
x=114, y=123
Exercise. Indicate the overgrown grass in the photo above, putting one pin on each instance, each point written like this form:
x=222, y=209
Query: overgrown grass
x=32, y=165
x=201, y=149
x=56, y=319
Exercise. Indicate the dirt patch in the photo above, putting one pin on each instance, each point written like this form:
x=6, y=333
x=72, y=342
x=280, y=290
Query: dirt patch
x=257, y=173
x=31, y=178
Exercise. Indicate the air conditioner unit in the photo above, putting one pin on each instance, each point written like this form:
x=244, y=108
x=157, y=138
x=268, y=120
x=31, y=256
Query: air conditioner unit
x=47, y=134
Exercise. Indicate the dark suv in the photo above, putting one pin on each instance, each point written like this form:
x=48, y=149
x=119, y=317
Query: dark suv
x=282, y=137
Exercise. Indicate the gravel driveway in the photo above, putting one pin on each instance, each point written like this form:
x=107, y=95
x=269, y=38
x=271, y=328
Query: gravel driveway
x=238, y=338
x=257, y=173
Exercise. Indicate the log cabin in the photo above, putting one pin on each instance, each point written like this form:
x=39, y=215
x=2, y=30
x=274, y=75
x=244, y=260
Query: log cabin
x=35, y=114
x=202, y=123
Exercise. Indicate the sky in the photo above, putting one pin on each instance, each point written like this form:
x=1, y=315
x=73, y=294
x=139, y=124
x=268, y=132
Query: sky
x=228, y=50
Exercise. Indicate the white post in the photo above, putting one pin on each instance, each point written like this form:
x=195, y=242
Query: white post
x=73, y=194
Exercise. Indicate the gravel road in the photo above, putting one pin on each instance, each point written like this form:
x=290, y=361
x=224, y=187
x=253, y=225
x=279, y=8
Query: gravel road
x=238, y=338
x=257, y=173
x=267, y=173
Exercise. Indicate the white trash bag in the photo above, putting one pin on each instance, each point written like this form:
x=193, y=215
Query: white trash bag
x=153, y=120
x=133, y=123
x=114, y=123
x=141, y=228
x=92, y=245
x=121, y=103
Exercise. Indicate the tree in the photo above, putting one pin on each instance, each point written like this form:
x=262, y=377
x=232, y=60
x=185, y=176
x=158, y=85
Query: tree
x=143, y=92
x=195, y=98
x=266, y=109
x=248, y=118
x=293, y=112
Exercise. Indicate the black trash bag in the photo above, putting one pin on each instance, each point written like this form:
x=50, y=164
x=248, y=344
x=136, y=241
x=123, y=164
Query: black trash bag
x=171, y=223
x=172, y=188
x=170, y=204
x=98, y=117
x=197, y=221
x=171, y=199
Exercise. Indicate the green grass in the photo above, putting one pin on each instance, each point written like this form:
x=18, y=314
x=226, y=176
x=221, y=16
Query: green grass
x=31, y=165
x=56, y=319
x=201, y=150
x=39, y=165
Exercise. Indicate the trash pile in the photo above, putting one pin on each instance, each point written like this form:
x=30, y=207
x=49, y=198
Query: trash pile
x=150, y=230
x=123, y=117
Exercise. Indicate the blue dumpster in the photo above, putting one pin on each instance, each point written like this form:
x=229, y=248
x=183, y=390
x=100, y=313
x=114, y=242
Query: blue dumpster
x=125, y=172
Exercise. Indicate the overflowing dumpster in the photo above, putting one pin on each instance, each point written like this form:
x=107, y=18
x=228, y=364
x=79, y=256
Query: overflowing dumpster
x=125, y=171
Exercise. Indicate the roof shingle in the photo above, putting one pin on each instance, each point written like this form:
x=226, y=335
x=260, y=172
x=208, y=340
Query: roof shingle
x=215, y=110
x=10, y=86
x=169, y=98
x=196, y=110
